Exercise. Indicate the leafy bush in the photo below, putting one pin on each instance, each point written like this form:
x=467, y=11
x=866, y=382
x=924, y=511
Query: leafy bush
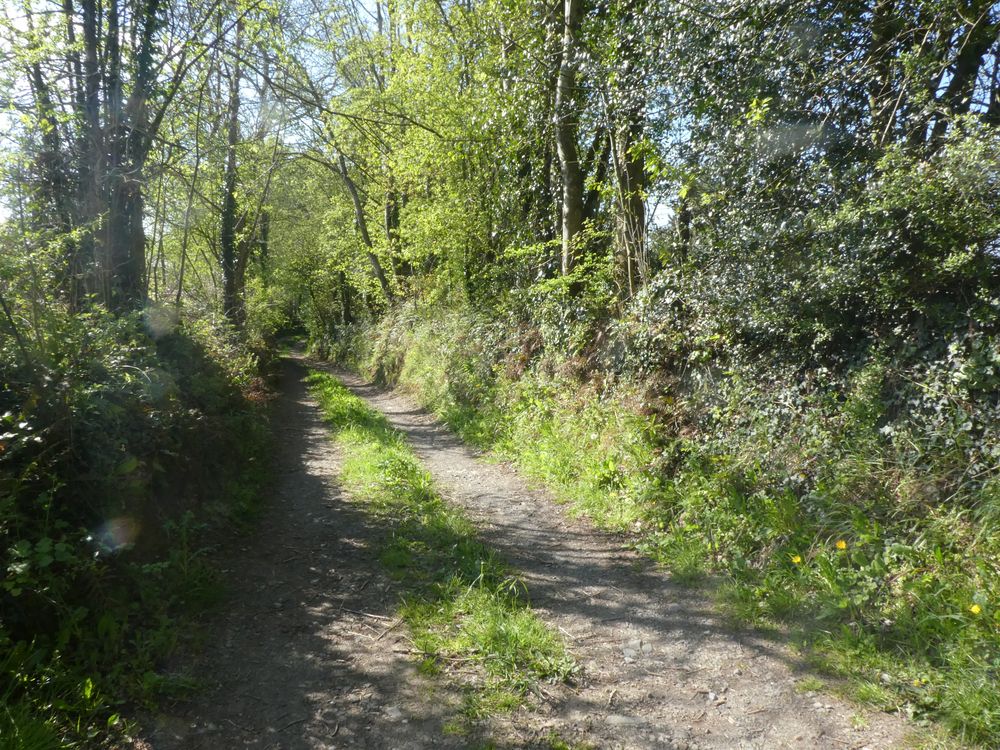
x=119, y=438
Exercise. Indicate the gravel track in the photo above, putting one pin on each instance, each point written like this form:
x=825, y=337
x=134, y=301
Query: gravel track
x=661, y=669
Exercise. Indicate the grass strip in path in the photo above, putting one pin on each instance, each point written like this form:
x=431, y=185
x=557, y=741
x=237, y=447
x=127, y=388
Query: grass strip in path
x=461, y=603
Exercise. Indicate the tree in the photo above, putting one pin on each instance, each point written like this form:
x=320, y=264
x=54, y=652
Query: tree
x=102, y=81
x=566, y=126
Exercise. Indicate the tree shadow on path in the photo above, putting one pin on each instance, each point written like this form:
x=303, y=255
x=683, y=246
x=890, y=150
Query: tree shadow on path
x=308, y=653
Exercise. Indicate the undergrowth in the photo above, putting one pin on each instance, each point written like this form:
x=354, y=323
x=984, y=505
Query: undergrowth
x=122, y=445
x=849, y=523
x=461, y=604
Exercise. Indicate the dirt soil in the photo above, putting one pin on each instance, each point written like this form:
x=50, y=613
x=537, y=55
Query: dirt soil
x=310, y=655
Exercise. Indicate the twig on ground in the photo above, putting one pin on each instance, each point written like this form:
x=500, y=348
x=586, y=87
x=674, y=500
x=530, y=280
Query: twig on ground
x=391, y=627
x=293, y=723
x=366, y=614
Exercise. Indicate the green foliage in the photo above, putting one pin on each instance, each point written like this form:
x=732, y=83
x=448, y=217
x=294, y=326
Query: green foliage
x=461, y=603
x=780, y=331
x=119, y=438
x=581, y=441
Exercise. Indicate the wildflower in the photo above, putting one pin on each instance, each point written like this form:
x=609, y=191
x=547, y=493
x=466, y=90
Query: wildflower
x=796, y=559
x=975, y=609
x=841, y=544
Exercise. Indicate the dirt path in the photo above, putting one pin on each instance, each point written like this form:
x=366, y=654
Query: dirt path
x=660, y=668
x=309, y=654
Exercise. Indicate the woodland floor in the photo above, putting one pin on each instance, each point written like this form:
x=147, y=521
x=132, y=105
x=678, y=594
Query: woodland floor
x=310, y=654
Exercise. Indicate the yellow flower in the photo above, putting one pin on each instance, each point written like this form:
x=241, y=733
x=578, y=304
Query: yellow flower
x=841, y=544
x=796, y=559
x=975, y=609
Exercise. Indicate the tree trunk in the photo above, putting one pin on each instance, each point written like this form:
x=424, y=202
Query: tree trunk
x=114, y=158
x=566, y=132
x=231, y=303
x=362, y=225
x=125, y=243
x=626, y=126
x=186, y=234
x=91, y=146
x=630, y=223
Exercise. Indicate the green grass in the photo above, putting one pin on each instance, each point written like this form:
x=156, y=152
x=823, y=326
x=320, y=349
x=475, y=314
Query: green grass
x=810, y=684
x=556, y=742
x=461, y=603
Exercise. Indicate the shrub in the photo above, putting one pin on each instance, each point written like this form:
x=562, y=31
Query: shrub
x=119, y=438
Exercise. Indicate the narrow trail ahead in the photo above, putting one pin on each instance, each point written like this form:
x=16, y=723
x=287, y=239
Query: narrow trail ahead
x=310, y=654
x=660, y=667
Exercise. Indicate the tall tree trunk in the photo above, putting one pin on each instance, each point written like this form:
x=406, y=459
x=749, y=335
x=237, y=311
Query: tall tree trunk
x=231, y=303
x=566, y=135
x=91, y=146
x=125, y=240
x=626, y=128
x=56, y=207
x=186, y=234
x=116, y=154
x=630, y=221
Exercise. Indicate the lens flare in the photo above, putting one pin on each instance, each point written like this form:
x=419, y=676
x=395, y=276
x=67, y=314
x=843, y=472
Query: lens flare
x=116, y=534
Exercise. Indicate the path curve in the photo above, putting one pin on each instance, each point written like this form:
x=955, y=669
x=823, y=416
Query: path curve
x=661, y=669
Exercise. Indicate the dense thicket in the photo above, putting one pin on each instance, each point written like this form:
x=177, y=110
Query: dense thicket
x=728, y=273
